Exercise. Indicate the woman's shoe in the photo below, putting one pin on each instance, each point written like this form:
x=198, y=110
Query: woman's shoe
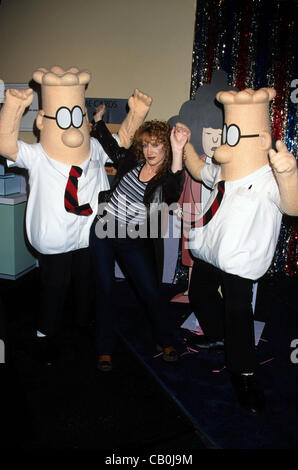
x=170, y=354
x=104, y=363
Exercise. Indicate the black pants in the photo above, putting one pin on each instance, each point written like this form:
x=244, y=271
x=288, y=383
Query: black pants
x=137, y=264
x=229, y=317
x=62, y=274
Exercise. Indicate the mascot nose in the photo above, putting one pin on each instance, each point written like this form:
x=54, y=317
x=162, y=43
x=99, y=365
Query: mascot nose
x=72, y=137
x=222, y=152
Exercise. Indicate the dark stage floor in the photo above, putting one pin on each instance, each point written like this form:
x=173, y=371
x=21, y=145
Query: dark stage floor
x=72, y=406
x=145, y=405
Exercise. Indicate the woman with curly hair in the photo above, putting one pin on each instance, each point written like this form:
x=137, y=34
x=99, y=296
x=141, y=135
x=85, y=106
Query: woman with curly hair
x=148, y=174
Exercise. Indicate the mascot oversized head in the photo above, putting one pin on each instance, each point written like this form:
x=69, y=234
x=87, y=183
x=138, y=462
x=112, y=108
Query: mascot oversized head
x=246, y=136
x=64, y=130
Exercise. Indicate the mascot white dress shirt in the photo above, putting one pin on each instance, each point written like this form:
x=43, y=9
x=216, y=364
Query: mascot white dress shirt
x=241, y=237
x=50, y=228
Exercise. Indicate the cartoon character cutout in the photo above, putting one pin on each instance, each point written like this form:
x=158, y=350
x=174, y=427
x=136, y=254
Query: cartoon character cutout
x=204, y=117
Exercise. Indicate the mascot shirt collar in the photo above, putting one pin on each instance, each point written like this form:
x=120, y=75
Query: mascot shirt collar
x=230, y=185
x=64, y=168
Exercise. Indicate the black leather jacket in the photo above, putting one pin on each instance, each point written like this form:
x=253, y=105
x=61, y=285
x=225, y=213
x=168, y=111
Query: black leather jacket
x=165, y=189
x=159, y=189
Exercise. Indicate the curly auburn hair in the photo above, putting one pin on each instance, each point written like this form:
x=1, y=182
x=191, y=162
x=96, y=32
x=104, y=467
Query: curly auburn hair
x=157, y=131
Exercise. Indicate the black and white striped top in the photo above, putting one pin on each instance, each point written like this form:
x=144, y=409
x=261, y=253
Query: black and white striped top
x=126, y=203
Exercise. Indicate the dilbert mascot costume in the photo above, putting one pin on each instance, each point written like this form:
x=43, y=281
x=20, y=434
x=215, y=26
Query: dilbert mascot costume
x=66, y=173
x=235, y=239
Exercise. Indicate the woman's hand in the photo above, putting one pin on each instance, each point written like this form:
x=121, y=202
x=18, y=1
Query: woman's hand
x=179, y=137
x=100, y=110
